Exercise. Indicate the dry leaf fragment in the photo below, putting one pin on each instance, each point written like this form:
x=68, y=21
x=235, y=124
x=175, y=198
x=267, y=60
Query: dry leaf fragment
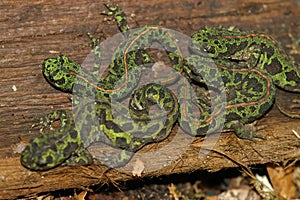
x=138, y=168
x=282, y=181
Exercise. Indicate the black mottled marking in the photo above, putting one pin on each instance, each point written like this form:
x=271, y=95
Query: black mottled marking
x=123, y=22
x=211, y=50
x=152, y=128
x=130, y=84
x=255, y=85
x=61, y=60
x=265, y=107
x=127, y=126
x=162, y=93
x=176, y=61
x=186, y=127
x=114, y=95
x=216, y=42
x=201, y=131
x=87, y=127
x=53, y=74
x=245, y=99
x=162, y=134
x=79, y=88
x=123, y=110
x=240, y=108
x=269, y=49
x=76, y=67
x=152, y=90
x=115, y=67
x=138, y=134
x=68, y=76
x=49, y=159
x=102, y=115
x=232, y=116
x=166, y=100
x=70, y=148
x=34, y=145
x=212, y=73
x=106, y=95
x=89, y=109
x=73, y=133
x=231, y=94
x=292, y=76
x=89, y=119
x=233, y=48
x=111, y=125
x=168, y=107
x=226, y=79
x=238, y=77
x=139, y=57
x=251, y=119
x=213, y=122
x=274, y=68
x=53, y=146
x=122, y=142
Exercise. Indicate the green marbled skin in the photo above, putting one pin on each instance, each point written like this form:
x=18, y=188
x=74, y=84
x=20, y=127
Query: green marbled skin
x=68, y=144
x=256, y=49
x=250, y=64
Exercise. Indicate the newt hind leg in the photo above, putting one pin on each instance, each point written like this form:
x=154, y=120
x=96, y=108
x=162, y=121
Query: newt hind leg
x=244, y=131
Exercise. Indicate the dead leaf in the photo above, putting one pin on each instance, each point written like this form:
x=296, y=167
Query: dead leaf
x=282, y=181
x=82, y=195
x=138, y=168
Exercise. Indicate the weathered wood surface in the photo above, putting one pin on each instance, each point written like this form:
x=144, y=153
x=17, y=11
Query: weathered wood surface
x=31, y=31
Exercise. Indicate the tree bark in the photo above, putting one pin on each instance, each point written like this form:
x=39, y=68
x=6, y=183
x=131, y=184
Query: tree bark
x=34, y=30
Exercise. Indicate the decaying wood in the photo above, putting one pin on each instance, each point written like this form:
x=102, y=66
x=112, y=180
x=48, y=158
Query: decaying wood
x=34, y=30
